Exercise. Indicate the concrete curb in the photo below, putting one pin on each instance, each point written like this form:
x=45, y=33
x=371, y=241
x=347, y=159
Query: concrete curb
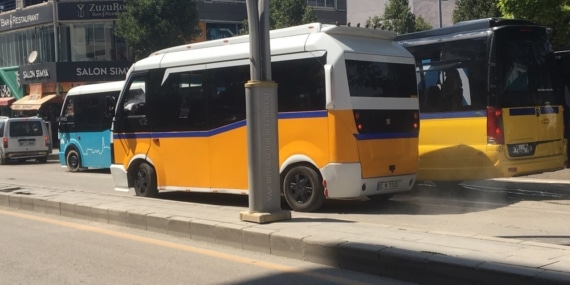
x=403, y=254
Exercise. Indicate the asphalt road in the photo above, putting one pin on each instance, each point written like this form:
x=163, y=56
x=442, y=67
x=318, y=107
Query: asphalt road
x=47, y=249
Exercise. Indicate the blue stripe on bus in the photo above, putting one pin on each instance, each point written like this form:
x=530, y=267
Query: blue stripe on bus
x=532, y=111
x=299, y=115
x=453, y=115
x=209, y=133
x=522, y=111
x=376, y=136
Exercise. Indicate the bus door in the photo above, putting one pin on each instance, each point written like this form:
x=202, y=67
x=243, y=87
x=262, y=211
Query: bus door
x=131, y=132
x=179, y=139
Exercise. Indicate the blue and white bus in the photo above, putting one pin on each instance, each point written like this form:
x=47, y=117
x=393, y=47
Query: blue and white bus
x=84, y=127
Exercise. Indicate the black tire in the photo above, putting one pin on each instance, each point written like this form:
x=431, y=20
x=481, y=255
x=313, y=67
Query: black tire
x=145, y=181
x=3, y=161
x=73, y=160
x=381, y=197
x=43, y=159
x=303, y=189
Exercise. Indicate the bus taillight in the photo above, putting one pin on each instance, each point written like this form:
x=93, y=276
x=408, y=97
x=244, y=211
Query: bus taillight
x=416, y=123
x=5, y=142
x=358, y=123
x=494, y=129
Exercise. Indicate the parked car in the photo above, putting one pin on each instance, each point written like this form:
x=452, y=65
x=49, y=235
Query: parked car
x=23, y=139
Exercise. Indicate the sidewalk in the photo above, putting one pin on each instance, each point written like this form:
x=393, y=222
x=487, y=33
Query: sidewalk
x=425, y=257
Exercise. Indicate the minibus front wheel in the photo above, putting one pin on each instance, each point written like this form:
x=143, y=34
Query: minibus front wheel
x=72, y=160
x=144, y=180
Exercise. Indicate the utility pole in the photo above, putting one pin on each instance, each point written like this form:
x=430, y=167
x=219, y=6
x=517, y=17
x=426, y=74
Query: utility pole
x=261, y=115
x=440, y=16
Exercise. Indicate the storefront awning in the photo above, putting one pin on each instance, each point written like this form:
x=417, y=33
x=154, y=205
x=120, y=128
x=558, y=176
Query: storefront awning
x=6, y=101
x=28, y=104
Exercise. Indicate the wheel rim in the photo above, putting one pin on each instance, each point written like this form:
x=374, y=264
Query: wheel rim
x=141, y=183
x=300, y=188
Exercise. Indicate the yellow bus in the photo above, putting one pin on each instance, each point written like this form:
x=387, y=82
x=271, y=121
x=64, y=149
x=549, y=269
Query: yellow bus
x=348, y=117
x=487, y=101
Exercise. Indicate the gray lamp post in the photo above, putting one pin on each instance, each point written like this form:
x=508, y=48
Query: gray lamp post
x=440, y=13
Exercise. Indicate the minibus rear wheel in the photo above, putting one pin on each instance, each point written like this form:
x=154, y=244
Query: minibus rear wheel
x=303, y=188
x=145, y=181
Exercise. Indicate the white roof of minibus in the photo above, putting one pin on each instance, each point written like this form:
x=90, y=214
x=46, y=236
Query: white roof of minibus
x=96, y=88
x=283, y=41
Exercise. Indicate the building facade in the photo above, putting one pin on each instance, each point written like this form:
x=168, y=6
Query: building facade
x=361, y=10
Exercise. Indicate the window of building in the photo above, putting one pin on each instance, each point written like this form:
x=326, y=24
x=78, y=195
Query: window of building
x=216, y=31
x=7, y=5
x=92, y=42
x=16, y=46
x=33, y=2
x=321, y=3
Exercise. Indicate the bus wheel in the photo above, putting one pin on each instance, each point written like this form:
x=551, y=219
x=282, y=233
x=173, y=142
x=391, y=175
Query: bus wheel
x=145, y=181
x=303, y=189
x=73, y=161
x=43, y=159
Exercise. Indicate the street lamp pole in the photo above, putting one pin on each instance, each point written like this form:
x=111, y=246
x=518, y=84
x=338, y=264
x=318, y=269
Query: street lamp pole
x=440, y=21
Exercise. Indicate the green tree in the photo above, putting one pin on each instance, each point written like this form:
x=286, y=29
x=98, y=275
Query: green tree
x=286, y=13
x=422, y=25
x=150, y=25
x=554, y=14
x=399, y=18
x=475, y=9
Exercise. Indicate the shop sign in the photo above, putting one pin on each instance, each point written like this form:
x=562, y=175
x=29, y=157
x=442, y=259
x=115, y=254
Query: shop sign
x=26, y=17
x=82, y=71
x=90, y=10
x=37, y=73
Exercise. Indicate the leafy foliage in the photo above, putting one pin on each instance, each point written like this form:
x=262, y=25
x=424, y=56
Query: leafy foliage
x=150, y=25
x=422, y=25
x=554, y=14
x=475, y=9
x=399, y=18
x=286, y=13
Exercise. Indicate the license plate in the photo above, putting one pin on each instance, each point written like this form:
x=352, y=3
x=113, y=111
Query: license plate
x=521, y=149
x=387, y=185
x=27, y=143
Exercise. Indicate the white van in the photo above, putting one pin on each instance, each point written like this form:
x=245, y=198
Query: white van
x=24, y=138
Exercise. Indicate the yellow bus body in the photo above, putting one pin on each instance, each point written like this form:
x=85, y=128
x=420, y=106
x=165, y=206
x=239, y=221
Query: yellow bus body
x=218, y=162
x=456, y=148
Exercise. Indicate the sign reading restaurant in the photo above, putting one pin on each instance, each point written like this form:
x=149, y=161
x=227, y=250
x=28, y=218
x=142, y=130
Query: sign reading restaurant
x=26, y=17
x=91, y=10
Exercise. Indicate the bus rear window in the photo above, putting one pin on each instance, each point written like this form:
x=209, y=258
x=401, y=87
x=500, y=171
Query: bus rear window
x=524, y=61
x=381, y=79
x=26, y=128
